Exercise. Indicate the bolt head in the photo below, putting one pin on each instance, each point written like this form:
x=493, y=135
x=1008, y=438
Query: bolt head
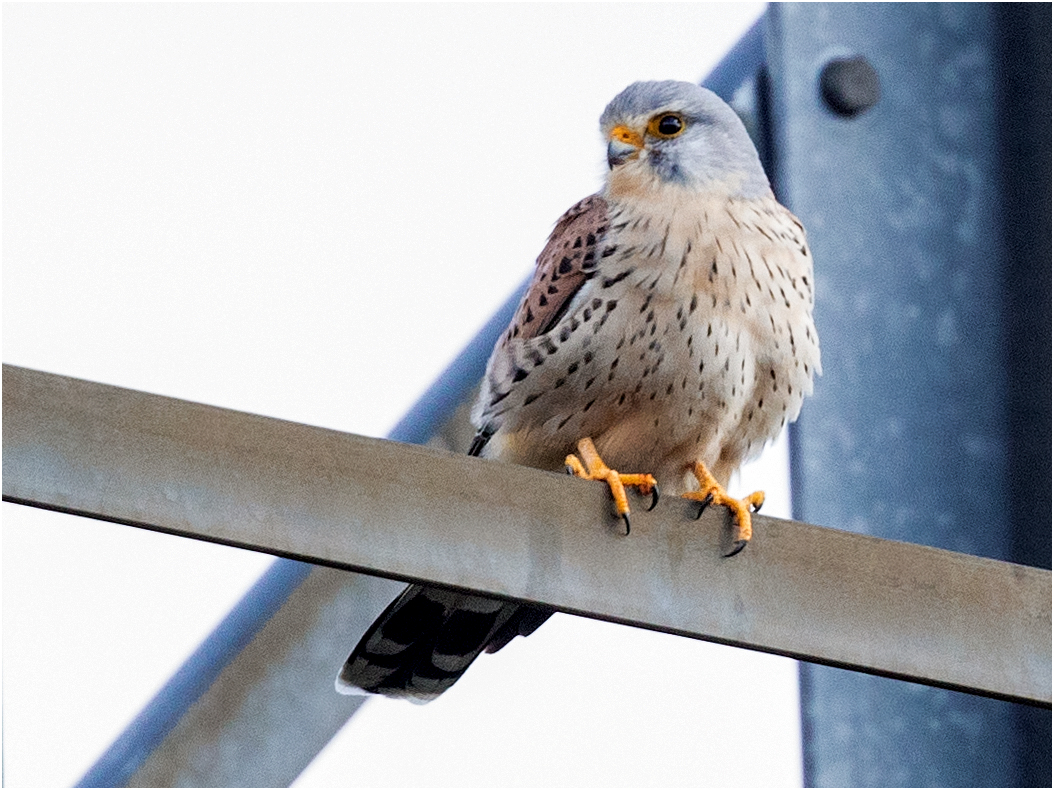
x=849, y=86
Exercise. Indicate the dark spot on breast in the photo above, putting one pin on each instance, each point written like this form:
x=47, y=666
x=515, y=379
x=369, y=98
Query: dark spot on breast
x=588, y=405
x=519, y=374
x=531, y=399
x=565, y=266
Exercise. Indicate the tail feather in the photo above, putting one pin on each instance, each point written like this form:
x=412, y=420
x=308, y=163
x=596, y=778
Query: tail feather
x=423, y=642
x=427, y=637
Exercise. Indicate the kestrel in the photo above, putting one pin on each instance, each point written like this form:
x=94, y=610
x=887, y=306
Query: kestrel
x=667, y=331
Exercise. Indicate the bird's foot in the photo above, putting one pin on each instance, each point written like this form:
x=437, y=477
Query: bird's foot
x=712, y=493
x=592, y=467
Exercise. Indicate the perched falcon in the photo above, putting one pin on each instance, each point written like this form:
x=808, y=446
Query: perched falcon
x=667, y=334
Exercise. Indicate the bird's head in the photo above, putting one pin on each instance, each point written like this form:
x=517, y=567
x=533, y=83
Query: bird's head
x=678, y=134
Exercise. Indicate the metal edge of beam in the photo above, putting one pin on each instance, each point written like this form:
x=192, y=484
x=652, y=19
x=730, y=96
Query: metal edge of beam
x=811, y=593
x=122, y=759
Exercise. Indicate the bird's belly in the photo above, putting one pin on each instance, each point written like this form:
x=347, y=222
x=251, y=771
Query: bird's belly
x=672, y=383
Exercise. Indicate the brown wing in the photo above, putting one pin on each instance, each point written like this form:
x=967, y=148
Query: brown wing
x=569, y=259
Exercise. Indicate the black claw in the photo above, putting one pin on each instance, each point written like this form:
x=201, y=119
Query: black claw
x=757, y=508
x=569, y=469
x=654, y=497
x=625, y=518
x=704, y=505
x=737, y=546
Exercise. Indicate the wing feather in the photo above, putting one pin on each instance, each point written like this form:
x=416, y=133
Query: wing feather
x=569, y=259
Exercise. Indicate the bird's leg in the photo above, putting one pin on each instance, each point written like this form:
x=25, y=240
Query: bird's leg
x=594, y=468
x=712, y=493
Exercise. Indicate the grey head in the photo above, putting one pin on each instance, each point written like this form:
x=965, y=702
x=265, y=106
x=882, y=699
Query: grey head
x=682, y=133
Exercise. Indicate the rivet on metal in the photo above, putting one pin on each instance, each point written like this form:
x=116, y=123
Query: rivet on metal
x=849, y=86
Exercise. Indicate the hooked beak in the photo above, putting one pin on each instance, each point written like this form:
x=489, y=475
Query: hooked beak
x=623, y=144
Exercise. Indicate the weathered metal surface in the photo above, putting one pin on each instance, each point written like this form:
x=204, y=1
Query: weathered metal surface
x=928, y=216
x=411, y=513
x=191, y=734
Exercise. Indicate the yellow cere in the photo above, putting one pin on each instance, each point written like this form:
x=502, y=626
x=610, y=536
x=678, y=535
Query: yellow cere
x=626, y=135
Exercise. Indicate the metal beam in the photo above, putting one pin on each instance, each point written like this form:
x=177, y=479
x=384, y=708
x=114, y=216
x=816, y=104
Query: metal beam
x=216, y=721
x=412, y=514
x=928, y=215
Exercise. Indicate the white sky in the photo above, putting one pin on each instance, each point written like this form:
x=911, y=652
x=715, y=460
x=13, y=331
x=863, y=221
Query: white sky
x=306, y=212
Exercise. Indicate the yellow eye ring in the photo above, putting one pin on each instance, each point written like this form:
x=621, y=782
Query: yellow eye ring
x=667, y=125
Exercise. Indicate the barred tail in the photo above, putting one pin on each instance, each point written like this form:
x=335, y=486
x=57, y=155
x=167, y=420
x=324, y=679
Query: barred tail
x=426, y=639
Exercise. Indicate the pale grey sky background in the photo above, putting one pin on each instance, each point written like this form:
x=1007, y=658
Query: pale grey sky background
x=306, y=212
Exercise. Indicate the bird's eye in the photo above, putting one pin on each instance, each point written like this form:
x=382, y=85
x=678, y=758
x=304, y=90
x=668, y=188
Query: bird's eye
x=666, y=125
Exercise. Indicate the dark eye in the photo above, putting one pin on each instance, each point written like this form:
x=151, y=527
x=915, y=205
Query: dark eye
x=669, y=125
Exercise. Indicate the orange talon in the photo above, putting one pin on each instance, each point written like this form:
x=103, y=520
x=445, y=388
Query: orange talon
x=595, y=469
x=713, y=493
